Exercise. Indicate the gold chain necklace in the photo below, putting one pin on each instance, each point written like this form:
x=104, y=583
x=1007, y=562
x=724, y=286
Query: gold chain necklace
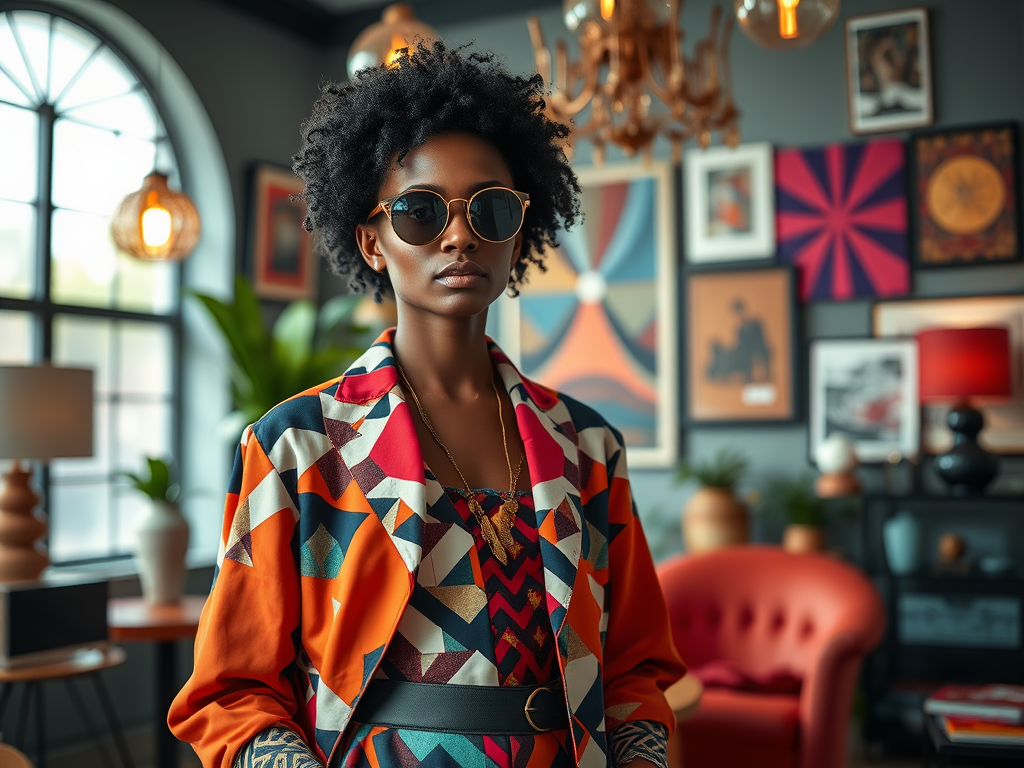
x=497, y=533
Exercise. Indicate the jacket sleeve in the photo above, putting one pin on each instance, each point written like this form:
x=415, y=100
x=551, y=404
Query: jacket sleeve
x=640, y=658
x=244, y=677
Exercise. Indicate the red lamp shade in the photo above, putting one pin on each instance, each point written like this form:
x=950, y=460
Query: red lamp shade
x=958, y=363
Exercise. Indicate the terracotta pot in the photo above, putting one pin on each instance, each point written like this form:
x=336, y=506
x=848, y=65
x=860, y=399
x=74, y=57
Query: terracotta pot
x=714, y=518
x=803, y=538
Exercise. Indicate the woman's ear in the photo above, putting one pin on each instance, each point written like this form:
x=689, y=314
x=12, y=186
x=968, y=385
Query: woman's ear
x=517, y=247
x=369, y=247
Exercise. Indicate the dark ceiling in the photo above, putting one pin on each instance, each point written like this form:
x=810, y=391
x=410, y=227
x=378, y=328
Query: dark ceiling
x=319, y=25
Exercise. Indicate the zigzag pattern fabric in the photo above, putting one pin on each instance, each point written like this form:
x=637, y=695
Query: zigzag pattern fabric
x=327, y=533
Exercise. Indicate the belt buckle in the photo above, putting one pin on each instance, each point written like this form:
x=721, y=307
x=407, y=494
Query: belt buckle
x=528, y=707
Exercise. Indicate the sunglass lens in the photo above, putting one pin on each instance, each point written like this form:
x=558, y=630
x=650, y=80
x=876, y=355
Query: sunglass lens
x=496, y=214
x=419, y=217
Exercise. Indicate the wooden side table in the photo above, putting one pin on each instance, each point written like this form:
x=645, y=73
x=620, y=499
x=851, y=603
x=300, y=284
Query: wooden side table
x=132, y=619
x=684, y=698
x=85, y=662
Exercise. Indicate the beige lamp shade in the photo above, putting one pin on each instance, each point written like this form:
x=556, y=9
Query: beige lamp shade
x=156, y=223
x=45, y=412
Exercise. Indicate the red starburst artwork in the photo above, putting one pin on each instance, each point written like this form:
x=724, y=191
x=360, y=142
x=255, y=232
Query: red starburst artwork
x=842, y=219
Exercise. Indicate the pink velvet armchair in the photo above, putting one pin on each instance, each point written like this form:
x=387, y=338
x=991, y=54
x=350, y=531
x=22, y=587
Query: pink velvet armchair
x=793, y=630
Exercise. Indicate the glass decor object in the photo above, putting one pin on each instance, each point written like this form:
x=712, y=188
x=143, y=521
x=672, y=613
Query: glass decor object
x=156, y=223
x=632, y=75
x=786, y=24
x=385, y=41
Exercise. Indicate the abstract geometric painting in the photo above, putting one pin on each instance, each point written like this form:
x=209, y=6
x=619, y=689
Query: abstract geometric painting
x=842, y=219
x=599, y=324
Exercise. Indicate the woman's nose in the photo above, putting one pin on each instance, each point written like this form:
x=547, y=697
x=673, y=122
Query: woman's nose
x=458, y=234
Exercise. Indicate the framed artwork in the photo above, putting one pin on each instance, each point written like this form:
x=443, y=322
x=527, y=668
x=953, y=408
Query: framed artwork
x=600, y=323
x=966, y=194
x=741, y=363
x=280, y=253
x=730, y=204
x=888, y=71
x=1004, y=422
x=867, y=390
x=842, y=219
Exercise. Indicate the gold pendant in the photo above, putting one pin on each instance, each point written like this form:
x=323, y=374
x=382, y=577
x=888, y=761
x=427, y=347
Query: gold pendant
x=487, y=531
x=506, y=519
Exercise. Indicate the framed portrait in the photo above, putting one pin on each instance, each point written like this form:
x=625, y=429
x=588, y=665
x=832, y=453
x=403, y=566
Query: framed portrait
x=600, y=323
x=730, y=204
x=1004, y=422
x=842, y=219
x=741, y=361
x=965, y=196
x=888, y=71
x=867, y=390
x=280, y=255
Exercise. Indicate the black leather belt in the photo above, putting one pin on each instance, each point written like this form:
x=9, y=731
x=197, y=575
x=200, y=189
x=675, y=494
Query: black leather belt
x=476, y=709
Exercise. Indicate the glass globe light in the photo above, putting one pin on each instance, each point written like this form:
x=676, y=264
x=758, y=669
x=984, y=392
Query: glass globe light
x=382, y=42
x=786, y=24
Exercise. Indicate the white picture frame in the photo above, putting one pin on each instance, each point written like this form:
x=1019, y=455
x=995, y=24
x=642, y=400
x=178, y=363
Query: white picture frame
x=893, y=45
x=730, y=204
x=603, y=318
x=866, y=389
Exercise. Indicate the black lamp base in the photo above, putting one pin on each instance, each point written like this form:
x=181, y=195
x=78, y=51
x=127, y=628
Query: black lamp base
x=967, y=467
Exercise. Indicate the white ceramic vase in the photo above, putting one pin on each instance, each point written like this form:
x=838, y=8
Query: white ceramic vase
x=160, y=554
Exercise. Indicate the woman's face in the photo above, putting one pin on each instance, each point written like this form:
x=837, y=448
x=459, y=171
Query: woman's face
x=459, y=274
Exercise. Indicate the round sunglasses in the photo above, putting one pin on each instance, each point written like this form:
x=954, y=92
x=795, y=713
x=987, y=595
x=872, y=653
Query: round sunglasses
x=419, y=216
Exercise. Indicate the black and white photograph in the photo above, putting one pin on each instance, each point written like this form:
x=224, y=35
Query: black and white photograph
x=865, y=389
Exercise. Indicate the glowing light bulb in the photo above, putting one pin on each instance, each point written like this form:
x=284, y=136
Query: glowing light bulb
x=607, y=9
x=156, y=226
x=787, y=19
x=394, y=57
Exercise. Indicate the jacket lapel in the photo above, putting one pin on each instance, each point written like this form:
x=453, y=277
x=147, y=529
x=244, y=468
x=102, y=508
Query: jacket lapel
x=553, y=459
x=370, y=426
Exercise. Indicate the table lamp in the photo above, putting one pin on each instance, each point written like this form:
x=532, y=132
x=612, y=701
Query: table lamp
x=45, y=413
x=956, y=365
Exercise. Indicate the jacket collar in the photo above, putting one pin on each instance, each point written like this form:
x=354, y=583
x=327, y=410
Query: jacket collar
x=370, y=424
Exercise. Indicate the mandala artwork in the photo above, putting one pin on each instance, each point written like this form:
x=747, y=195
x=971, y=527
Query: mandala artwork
x=590, y=326
x=842, y=219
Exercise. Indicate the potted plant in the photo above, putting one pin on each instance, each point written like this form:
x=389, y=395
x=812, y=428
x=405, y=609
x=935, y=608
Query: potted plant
x=794, y=500
x=714, y=517
x=303, y=347
x=162, y=536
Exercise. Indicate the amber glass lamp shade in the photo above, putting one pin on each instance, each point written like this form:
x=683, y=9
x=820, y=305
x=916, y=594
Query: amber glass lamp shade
x=786, y=24
x=156, y=223
x=383, y=42
x=957, y=365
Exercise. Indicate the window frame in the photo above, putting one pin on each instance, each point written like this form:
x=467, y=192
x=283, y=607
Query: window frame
x=43, y=310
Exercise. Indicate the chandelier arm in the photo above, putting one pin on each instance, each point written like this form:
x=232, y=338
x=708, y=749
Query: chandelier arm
x=541, y=55
x=724, y=58
x=576, y=104
x=666, y=94
x=677, y=63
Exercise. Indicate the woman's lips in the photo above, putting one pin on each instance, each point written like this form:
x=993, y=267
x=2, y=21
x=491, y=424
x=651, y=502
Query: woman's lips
x=461, y=274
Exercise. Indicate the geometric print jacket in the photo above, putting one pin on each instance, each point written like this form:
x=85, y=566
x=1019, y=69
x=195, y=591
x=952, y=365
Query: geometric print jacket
x=322, y=543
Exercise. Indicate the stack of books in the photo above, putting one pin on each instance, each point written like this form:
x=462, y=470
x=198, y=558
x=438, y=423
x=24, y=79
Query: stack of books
x=979, y=714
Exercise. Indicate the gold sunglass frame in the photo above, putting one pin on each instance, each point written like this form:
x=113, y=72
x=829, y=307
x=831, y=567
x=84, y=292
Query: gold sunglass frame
x=385, y=206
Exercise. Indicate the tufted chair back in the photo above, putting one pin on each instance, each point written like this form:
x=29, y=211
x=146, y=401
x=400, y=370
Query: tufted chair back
x=769, y=611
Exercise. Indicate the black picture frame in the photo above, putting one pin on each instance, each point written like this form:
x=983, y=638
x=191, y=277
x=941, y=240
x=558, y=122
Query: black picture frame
x=720, y=396
x=927, y=236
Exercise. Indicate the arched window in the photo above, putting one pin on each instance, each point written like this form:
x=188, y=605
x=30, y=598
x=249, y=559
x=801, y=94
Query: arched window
x=78, y=131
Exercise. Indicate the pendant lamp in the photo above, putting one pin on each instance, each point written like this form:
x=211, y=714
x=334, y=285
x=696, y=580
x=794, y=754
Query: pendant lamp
x=786, y=24
x=156, y=223
x=383, y=42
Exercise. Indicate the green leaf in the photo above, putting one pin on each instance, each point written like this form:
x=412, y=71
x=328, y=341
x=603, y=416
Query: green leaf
x=723, y=470
x=293, y=339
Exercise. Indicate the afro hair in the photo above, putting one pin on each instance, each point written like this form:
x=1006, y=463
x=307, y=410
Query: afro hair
x=356, y=130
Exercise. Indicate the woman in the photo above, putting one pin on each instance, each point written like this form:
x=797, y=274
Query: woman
x=431, y=559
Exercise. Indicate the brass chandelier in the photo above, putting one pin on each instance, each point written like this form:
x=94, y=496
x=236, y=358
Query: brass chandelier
x=630, y=58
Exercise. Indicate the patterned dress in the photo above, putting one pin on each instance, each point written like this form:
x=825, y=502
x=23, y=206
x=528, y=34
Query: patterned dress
x=505, y=641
